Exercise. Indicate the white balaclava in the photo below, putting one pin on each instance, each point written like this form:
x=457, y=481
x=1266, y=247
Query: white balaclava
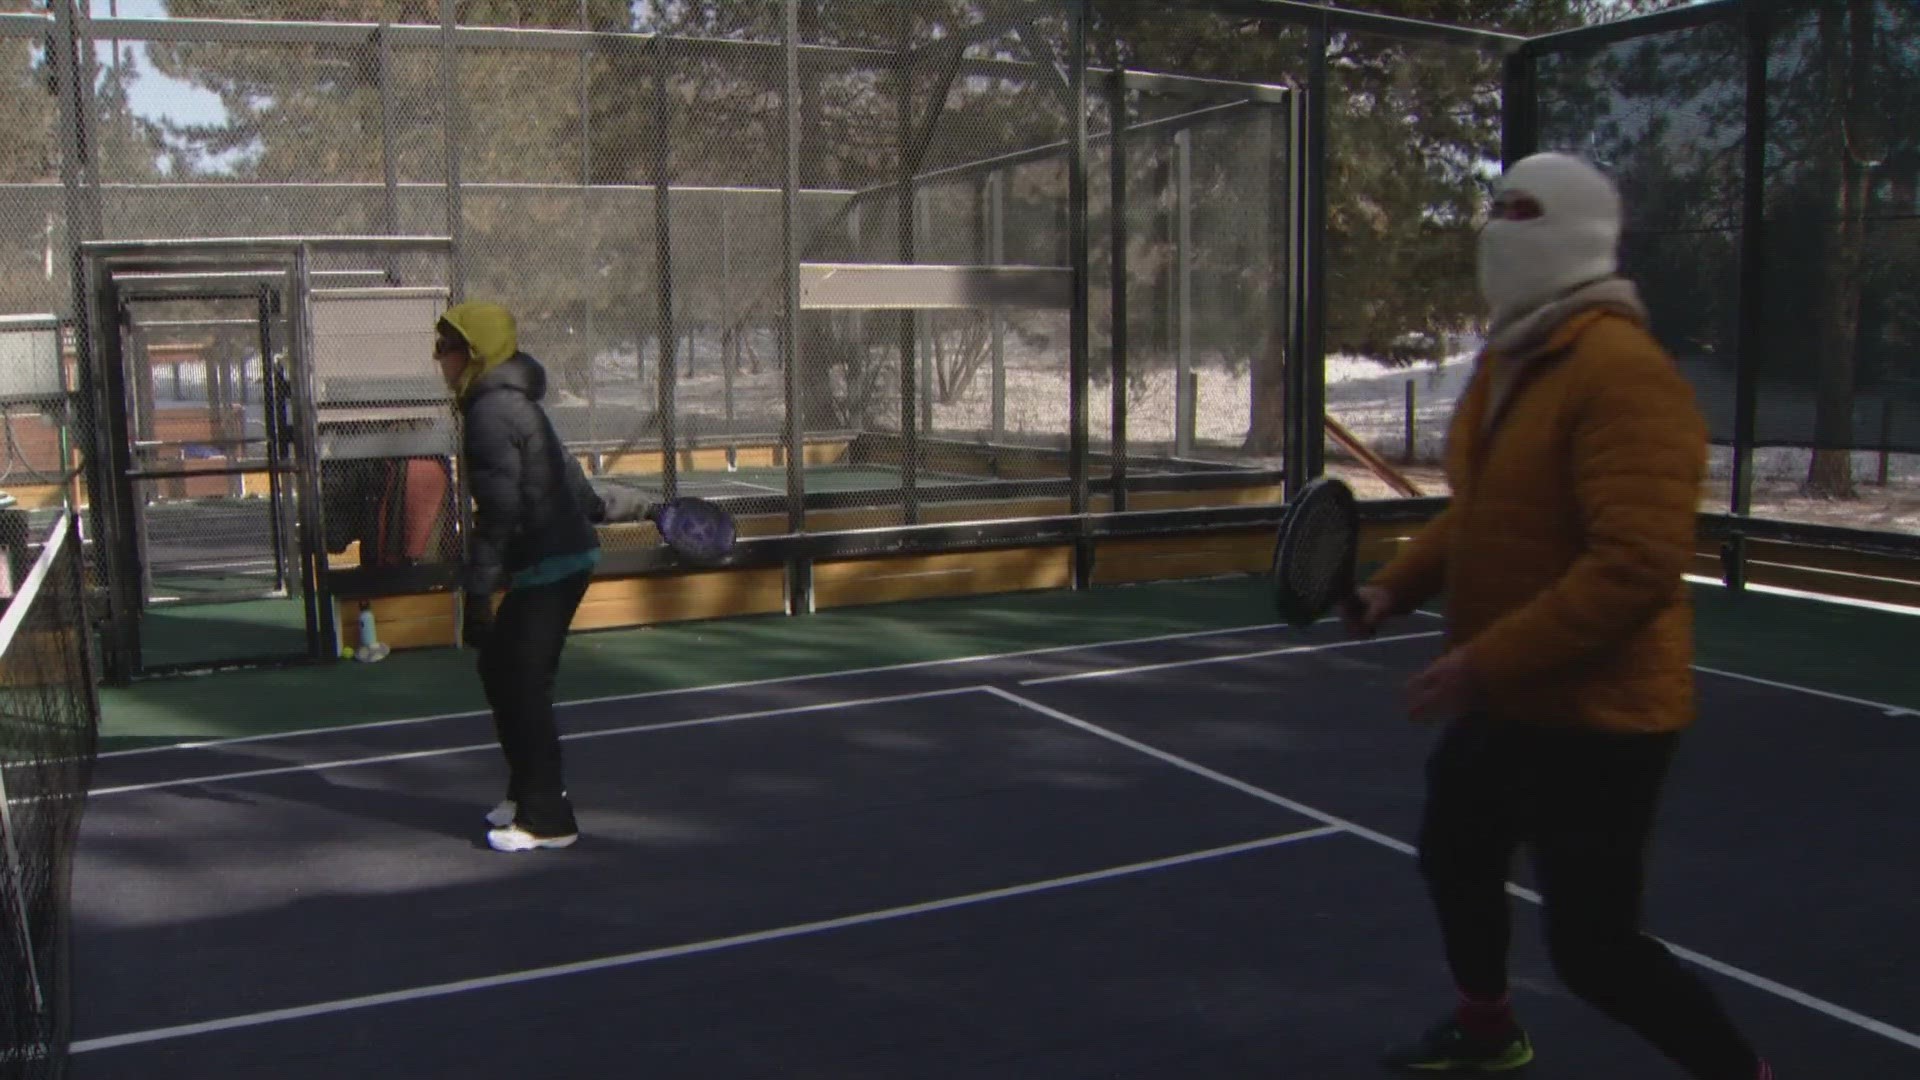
x=1524, y=264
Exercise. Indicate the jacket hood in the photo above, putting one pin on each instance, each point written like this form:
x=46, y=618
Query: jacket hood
x=517, y=372
x=490, y=334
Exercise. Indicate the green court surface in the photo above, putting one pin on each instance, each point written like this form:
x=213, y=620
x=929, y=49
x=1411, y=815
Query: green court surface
x=175, y=634
x=1843, y=650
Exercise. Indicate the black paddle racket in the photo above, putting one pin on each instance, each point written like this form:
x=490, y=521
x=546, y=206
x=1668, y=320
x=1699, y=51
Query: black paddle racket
x=699, y=531
x=1315, y=554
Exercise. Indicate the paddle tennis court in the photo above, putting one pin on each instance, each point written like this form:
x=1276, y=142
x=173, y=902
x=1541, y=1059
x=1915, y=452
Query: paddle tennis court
x=1171, y=855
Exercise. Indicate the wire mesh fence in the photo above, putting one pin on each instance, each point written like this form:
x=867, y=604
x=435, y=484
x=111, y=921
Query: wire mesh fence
x=619, y=175
x=1412, y=145
x=623, y=191
x=1817, y=394
x=1675, y=141
x=49, y=730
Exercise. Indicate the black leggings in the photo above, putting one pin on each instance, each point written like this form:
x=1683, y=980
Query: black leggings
x=518, y=662
x=1585, y=803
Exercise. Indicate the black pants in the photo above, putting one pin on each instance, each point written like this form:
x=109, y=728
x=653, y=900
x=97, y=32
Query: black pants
x=1585, y=803
x=518, y=662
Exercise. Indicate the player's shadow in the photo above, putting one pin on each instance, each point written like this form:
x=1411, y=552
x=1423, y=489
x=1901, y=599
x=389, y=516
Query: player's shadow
x=363, y=797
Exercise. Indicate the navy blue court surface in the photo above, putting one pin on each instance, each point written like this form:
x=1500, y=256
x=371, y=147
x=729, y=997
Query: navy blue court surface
x=1182, y=857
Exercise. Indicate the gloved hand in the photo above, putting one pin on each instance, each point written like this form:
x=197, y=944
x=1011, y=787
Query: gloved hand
x=1366, y=610
x=618, y=502
x=476, y=620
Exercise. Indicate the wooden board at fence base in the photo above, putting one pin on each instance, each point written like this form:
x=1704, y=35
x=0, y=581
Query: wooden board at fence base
x=1252, y=495
x=848, y=582
x=1168, y=558
x=678, y=597
x=1836, y=559
x=645, y=461
x=1883, y=590
x=429, y=620
x=38, y=496
x=402, y=622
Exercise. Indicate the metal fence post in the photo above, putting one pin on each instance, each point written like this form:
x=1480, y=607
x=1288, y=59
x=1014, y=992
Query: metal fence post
x=1519, y=107
x=667, y=373
x=451, y=120
x=1117, y=262
x=1306, y=368
x=799, y=578
x=904, y=206
x=997, y=320
x=1183, y=289
x=591, y=343
x=389, y=167
x=923, y=321
x=729, y=335
x=1078, y=255
x=1753, y=301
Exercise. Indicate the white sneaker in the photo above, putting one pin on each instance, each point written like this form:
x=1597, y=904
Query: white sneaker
x=514, y=838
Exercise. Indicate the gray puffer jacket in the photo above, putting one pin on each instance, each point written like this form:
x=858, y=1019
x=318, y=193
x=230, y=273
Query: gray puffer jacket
x=531, y=501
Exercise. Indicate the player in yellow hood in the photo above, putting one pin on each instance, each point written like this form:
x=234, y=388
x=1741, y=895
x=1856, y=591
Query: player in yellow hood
x=533, y=536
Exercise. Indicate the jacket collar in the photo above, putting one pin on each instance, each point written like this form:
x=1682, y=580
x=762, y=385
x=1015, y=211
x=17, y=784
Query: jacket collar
x=1523, y=344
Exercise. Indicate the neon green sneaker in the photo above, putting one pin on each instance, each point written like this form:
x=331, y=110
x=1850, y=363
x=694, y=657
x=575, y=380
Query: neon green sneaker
x=1448, y=1047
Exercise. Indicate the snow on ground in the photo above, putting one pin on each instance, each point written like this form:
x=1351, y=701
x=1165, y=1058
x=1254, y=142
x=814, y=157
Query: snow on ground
x=1365, y=396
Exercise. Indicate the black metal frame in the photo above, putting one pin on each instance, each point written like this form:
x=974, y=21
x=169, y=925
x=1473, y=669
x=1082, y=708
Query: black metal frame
x=109, y=466
x=1063, y=530
x=1305, y=454
x=799, y=573
x=1301, y=306
x=1726, y=527
x=1658, y=22
x=1118, y=116
x=122, y=565
x=1754, y=21
x=1753, y=278
x=1080, y=325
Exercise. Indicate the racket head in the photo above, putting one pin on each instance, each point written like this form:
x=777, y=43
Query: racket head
x=1316, y=552
x=697, y=530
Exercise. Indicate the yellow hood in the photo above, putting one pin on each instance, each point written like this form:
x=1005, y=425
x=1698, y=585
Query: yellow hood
x=490, y=335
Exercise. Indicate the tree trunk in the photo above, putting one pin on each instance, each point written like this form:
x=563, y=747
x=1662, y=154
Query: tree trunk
x=1267, y=424
x=1830, y=473
x=1849, y=80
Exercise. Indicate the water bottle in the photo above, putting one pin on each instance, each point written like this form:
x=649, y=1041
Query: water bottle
x=370, y=650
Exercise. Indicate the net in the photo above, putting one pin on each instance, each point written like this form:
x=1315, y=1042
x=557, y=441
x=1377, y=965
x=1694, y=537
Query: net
x=49, y=727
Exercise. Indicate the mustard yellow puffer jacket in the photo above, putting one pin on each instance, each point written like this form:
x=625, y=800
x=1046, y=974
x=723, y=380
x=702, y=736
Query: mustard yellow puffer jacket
x=1571, y=523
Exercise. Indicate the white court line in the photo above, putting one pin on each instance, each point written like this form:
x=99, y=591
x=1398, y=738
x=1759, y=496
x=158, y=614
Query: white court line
x=446, y=751
x=1890, y=710
x=1201, y=770
x=739, y=685
x=1884, y=707
x=421, y=993
x=1758, y=982
x=758, y=487
x=1290, y=650
x=1823, y=598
